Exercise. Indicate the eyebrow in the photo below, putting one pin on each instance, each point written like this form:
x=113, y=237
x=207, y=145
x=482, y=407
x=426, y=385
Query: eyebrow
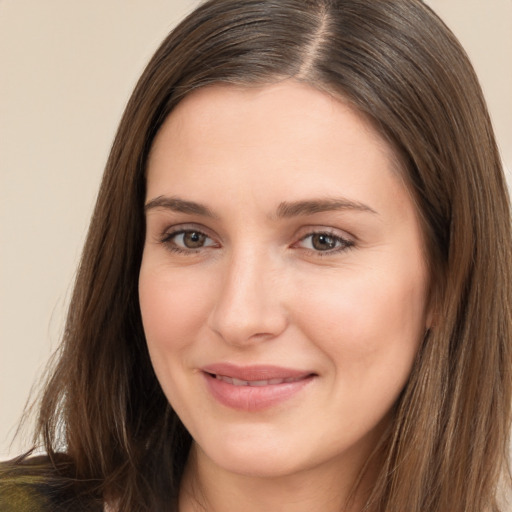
x=310, y=207
x=284, y=210
x=179, y=205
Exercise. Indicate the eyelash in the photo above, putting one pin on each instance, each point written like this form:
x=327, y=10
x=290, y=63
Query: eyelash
x=168, y=241
x=343, y=244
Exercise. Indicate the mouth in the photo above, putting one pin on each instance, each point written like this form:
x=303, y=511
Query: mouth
x=254, y=388
x=256, y=383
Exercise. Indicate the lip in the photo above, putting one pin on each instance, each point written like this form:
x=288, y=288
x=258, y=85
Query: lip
x=247, y=388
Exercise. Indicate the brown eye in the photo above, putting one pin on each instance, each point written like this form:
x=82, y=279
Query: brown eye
x=193, y=239
x=323, y=242
x=187, y=241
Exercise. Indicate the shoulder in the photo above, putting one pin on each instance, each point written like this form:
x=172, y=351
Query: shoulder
x=22, y=494
x=35, y=484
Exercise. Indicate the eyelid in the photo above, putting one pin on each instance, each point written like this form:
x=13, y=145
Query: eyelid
x=166, y=238
x=172, y=234
x=172, y=229
x=346, y=241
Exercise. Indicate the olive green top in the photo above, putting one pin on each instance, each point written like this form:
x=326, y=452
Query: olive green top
x=35, y=485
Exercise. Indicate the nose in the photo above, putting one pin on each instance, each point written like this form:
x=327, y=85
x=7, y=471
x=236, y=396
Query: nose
x=248, y=308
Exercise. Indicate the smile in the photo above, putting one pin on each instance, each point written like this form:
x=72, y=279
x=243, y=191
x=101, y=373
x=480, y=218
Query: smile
x=254, y=388
x=269, y=382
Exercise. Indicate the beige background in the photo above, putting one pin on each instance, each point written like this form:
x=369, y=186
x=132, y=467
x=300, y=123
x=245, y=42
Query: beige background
x=66, y=70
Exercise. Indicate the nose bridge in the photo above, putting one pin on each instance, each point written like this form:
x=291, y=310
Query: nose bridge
x=247, y=306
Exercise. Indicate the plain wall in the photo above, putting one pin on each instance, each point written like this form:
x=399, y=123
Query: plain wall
x=66, y=71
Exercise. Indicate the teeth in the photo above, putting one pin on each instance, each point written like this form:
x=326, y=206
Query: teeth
x=261, y=382
x=255, y=383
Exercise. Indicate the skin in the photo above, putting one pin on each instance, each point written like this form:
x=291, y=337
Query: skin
x=260, y=288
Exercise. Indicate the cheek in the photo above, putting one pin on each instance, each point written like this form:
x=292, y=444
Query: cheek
x=173, y=309
x=369, y=324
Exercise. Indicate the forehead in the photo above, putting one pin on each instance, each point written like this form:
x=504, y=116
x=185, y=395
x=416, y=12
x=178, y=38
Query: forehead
x=300, y=140
x=293, y=104
x=288, y=114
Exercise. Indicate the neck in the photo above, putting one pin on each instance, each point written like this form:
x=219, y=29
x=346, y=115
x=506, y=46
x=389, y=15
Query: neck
x=208, y=488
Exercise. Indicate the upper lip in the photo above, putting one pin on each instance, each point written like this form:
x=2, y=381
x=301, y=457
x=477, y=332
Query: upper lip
x=255, y=372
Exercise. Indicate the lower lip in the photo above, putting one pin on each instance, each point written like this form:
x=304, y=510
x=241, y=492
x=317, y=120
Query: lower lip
x=253, y=398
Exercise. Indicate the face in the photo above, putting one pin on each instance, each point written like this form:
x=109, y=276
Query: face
x=283, y=283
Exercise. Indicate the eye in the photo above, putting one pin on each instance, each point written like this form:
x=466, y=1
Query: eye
x=324, y=242
x=186, y=240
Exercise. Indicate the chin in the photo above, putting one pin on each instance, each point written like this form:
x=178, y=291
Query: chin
x=263, y=457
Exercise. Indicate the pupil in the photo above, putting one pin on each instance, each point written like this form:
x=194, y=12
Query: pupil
x=193, y=239
x=323, y=242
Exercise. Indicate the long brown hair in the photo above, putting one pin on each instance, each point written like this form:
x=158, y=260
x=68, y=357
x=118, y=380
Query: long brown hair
x=399, y=65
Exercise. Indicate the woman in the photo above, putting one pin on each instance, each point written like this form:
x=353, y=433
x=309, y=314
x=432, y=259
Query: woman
x=295, y=291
